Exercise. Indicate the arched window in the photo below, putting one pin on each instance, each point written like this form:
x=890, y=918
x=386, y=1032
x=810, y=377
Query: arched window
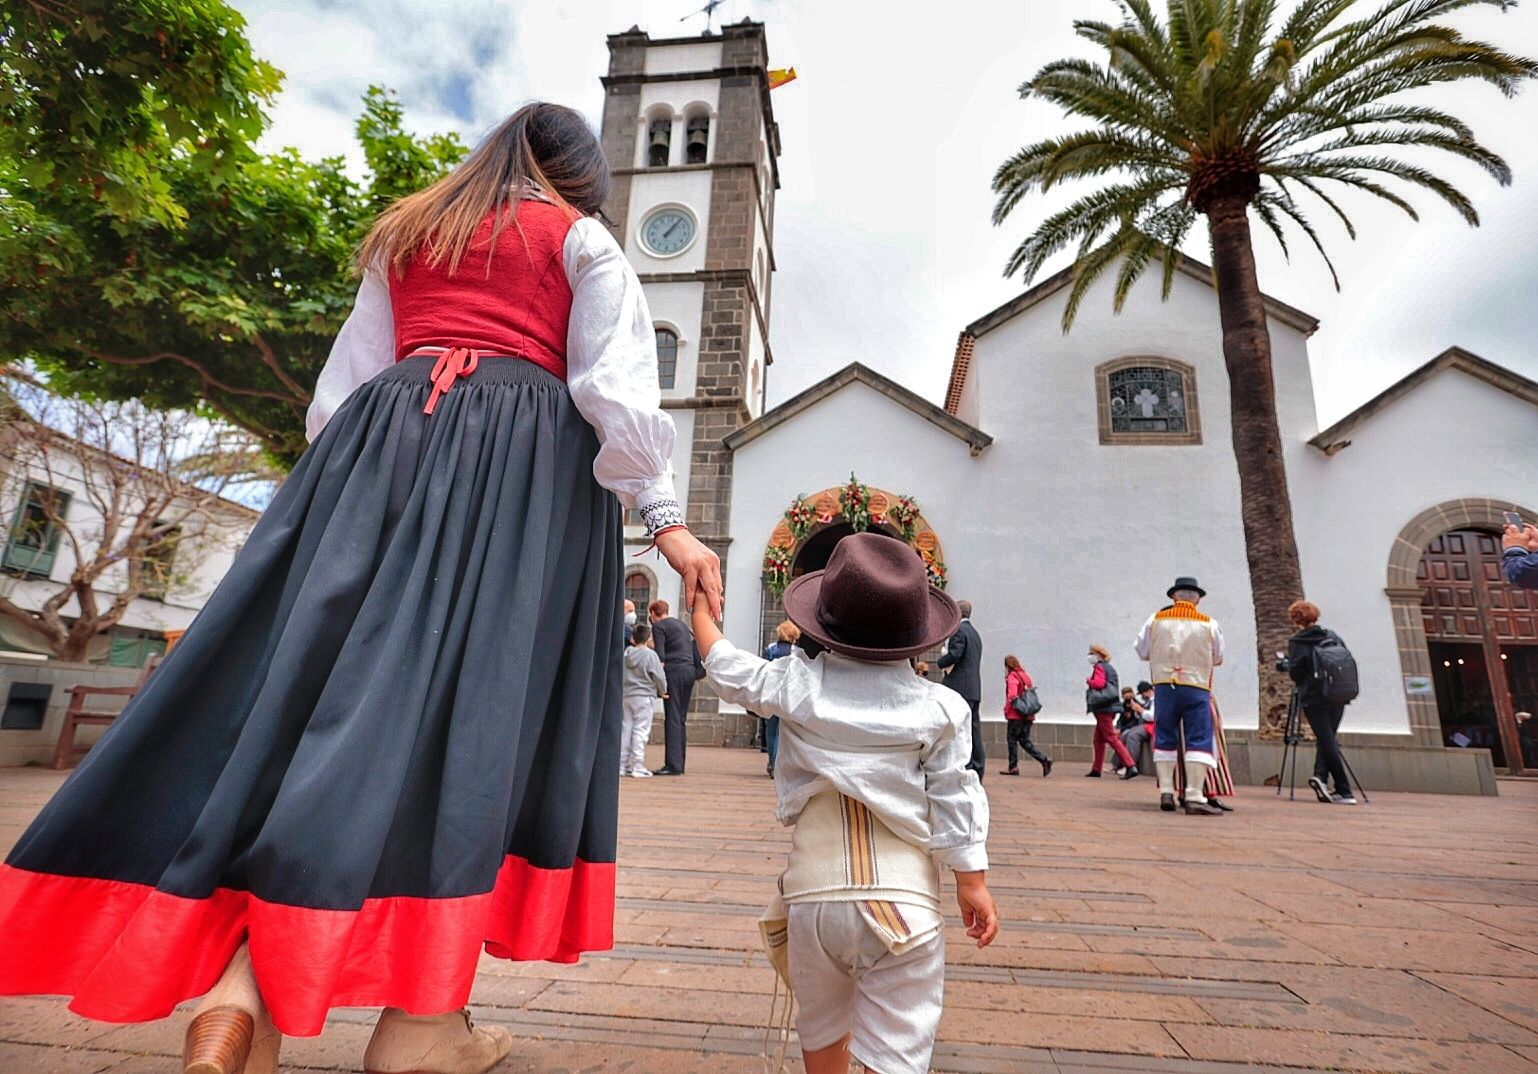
x=638, y=588
x=659, y=141
x=1146, y=400
x=696, y=137
x=667, y=356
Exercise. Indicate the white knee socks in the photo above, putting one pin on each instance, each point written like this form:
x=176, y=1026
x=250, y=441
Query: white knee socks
x=1166, y=772
x=1196, y=780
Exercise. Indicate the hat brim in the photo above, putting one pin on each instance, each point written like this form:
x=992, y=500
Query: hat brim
x=1172, y=590
x=941, y=620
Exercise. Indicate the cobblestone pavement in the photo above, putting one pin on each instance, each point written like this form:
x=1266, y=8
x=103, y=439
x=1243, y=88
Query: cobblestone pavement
x=1400, y=937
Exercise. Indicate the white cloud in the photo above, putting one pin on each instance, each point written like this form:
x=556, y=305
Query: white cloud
x=890, y=138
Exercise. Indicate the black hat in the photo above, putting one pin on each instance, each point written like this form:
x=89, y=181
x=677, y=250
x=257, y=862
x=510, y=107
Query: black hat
x=873, y=602
x=1184, y=582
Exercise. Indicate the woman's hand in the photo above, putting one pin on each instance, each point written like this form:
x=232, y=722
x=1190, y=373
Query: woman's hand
x=698, y=566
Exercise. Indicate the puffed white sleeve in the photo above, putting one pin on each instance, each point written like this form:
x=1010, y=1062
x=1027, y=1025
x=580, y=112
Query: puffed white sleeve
x=958, y=808
x=364, y=348
x=611, y=369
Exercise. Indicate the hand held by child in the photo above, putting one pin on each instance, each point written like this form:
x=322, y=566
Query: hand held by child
x=977, y=909
x=698, y=566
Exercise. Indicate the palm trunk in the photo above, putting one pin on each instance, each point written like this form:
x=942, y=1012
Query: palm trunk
x=1270, y=546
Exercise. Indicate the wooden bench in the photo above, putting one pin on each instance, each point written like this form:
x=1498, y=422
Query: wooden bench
x=66, y=754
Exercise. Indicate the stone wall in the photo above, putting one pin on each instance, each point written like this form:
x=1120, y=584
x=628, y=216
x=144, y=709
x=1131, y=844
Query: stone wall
x=36, y=747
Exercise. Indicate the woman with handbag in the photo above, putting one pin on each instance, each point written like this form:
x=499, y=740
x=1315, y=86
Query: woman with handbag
x=1020, y=708
x=1102, y=697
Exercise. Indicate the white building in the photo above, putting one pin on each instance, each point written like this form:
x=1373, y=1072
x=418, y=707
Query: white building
x=1069, y=478
x=37, y=558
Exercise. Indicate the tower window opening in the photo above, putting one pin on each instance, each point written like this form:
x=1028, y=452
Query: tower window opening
x=697, y=139
x=659, y=140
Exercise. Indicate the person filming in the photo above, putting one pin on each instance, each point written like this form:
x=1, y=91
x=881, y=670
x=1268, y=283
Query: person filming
x=1323, y=714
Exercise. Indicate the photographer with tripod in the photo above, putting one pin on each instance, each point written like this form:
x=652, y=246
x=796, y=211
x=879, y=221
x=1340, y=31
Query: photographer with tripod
x=1324, y=682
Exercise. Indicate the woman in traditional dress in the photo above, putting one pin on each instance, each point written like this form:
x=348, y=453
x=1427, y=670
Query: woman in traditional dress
x=391, y=737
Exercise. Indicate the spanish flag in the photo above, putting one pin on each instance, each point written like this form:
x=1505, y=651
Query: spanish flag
x=780, y=76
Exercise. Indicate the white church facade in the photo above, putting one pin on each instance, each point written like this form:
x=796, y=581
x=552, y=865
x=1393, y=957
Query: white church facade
x=1067, y=479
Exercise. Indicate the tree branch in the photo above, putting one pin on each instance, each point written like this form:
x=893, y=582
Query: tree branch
x=209, y=380
x=270, y=360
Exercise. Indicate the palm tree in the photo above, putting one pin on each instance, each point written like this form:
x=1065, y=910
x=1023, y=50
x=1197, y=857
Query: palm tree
x=1222, y=108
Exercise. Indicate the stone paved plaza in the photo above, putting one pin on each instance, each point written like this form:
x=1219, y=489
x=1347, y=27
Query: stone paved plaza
x=1400, y=937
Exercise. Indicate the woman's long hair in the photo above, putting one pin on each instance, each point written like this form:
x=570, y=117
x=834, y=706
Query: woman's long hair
x=1011, y=663
x=545, y=145
x=788, y=632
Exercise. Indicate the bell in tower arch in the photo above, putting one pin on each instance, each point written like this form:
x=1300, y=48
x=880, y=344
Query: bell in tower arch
x=697, y=139
x=658, y=141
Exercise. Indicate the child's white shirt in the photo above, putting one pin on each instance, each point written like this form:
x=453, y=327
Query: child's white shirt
x=875, y=732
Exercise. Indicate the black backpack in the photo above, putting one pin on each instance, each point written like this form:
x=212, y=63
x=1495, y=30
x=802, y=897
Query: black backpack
x=1335, y=670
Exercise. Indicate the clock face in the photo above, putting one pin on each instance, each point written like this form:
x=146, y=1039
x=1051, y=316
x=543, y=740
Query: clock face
x=668, y=231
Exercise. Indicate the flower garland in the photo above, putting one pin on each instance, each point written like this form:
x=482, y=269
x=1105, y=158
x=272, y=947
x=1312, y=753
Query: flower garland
x=800, y=516
x=905, y=516
x=861, y=508
x=854, y=503
x=777, y=563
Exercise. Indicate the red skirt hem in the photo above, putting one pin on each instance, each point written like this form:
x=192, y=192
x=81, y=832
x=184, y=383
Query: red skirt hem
x=130, y=953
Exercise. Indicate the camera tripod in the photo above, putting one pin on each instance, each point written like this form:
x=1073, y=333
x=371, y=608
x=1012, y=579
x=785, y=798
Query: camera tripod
x=1292, y=738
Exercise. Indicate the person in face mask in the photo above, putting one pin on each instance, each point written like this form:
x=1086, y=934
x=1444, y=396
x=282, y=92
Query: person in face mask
x=629, y=622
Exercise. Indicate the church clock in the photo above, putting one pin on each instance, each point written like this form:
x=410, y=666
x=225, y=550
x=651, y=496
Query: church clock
x=667, y=231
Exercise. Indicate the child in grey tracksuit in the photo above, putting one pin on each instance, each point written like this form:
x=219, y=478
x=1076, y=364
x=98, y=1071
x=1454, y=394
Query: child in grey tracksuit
x=644, y=683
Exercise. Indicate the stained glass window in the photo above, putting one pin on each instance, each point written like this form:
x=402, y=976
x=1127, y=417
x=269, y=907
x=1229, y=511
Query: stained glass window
x=667, y=357
x=1147, y=399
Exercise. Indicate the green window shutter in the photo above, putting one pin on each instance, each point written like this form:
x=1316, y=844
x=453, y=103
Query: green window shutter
x=33, y=541
x=127, y=651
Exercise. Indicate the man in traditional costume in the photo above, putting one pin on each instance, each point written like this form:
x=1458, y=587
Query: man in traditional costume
x=1183, y=647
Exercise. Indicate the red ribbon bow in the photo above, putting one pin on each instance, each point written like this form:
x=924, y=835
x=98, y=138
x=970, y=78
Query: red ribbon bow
x=453, y=363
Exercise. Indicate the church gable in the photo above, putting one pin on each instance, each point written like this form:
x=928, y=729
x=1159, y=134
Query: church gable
x=1172, y=331
x=1339, y=435
x=859, y=374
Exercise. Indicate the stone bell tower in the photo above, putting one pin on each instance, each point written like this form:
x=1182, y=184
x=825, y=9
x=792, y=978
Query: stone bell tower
x=693, y=147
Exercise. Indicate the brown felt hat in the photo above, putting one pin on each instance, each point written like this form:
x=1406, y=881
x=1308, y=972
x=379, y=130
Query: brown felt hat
x=874, y=601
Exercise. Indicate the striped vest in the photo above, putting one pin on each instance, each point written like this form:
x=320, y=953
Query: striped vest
x=1180, y=647
x=842, y=852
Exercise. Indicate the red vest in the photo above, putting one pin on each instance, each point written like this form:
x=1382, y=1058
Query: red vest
x=521, y=308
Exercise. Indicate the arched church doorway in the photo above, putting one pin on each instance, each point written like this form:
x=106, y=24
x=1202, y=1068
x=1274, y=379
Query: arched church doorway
x=818, y=548
x=812, y=526
x=1472, y=637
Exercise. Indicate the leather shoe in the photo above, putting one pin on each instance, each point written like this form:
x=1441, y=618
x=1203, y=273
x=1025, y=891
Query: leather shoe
x=1009, y=771
x=1046, y=768
x=1224, y=806
x=1092, y=775
x=668, y=770
x=1202, y=809
x=436, y=1044
x=1167, y=802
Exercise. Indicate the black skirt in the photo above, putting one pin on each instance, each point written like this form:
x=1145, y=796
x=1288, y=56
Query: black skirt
x=391, y=737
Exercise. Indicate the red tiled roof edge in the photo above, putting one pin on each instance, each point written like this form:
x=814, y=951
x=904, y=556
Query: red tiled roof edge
x=960, y=366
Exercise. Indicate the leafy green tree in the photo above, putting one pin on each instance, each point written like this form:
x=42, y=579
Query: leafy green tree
x=212, y=276
x=1223, y=108
x=95, y=94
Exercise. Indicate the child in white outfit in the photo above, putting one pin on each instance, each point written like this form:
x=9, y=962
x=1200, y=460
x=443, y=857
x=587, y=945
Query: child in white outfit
x=644, y=682
x=872, y=773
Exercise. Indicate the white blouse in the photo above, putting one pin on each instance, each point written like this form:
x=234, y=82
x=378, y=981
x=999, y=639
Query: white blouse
x=611, y=363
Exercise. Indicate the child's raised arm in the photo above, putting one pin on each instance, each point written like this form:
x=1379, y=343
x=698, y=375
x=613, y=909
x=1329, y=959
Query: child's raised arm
x=706, y=633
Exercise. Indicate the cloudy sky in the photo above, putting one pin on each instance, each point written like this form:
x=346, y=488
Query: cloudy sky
x=890, y=137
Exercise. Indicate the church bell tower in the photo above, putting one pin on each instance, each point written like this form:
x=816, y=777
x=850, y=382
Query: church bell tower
x=693, y=147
